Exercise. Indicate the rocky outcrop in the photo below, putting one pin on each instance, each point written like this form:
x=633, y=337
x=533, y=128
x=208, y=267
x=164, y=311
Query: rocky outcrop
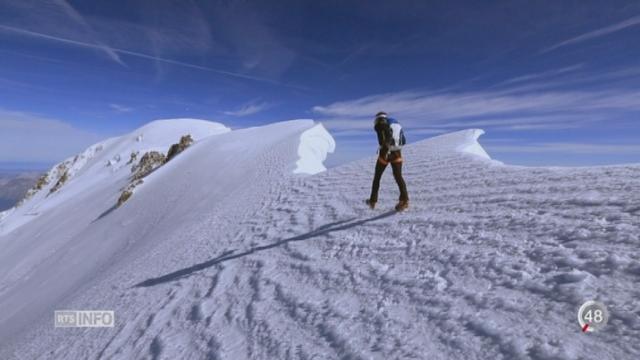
x=133, y=157
x=42, y=181
x=61, y=181
x=147, y=164
x=128, y=191
x=176, y=149
x=126, y=194
x=63, y=175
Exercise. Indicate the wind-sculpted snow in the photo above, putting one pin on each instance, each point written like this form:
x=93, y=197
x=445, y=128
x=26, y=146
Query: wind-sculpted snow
x=470, y=144
x=227, y=258
x=315, y=144
x=465, y=141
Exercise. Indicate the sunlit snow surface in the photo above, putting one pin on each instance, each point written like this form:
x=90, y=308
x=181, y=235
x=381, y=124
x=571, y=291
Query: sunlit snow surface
x=225, y=253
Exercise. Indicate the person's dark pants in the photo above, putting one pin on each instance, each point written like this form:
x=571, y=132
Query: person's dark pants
x=395, y=159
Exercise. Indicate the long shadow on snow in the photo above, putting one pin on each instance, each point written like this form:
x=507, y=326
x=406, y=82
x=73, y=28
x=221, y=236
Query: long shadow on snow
x=107, y=212
x=229, y=255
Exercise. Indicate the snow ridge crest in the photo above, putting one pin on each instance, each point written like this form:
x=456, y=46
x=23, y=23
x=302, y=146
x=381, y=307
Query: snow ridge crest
x=463, y=141
x=471, y=145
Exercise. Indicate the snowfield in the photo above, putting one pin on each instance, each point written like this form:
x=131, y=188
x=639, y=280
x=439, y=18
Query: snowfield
x=242, y=248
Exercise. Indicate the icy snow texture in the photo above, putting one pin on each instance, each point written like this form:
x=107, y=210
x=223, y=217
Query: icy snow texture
x=225, y=254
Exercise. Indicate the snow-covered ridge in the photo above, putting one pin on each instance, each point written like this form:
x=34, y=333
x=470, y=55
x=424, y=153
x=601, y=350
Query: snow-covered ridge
x=108, y=162
x=103, y=164
x=80, y=222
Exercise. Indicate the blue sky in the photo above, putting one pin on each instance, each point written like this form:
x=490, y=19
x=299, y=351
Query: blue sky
x=552, y=83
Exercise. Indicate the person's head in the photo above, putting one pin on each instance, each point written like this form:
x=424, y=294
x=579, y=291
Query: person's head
x=381, y=114
x=381, y=117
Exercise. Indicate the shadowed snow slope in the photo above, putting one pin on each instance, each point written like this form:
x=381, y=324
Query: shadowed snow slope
x=224, y=253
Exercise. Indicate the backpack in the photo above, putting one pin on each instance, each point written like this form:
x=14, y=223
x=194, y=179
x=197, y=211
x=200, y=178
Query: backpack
x=397, y=139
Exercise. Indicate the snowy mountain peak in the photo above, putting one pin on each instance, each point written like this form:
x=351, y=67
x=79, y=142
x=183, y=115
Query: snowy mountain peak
x=165, y=130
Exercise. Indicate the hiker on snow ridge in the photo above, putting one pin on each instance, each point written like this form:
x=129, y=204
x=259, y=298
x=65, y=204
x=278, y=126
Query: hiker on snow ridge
x=390, y=139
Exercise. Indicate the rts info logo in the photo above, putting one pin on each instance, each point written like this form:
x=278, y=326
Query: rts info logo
x=84, y=318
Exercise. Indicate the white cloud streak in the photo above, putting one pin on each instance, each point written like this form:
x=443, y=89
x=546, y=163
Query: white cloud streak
x=634, y=21
x=248, y=109
x=421, y=108
x=544, y=74
x=79, y=19
x=532, y=102
x=120, y=108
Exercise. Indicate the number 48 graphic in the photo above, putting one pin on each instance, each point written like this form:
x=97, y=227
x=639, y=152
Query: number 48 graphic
x=592, y=316
x=595, y=317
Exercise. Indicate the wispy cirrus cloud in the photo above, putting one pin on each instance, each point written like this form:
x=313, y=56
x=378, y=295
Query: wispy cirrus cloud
x=163, y=34
x=143, y=56
x=566, y=98
x=120, y=108
x=536, y=122
x=543, y=74
x=527, y=102
x=112, y=52
x=56, y=16
x=634, y=21
x=72, y=13
x=249, y=109
x=426, y=108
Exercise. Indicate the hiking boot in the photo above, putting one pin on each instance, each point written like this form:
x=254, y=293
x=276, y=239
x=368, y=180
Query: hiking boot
x=402, y=205
x=372, y=204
